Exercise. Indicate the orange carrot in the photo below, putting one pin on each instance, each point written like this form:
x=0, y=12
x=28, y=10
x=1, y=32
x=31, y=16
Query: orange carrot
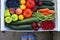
x=51, y=11
x=45, y=13
x=43, y=10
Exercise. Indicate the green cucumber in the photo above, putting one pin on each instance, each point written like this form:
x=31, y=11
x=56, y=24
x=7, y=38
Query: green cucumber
x=45, y=6
x=25, y=21
x=48, y=3
x=19, y=27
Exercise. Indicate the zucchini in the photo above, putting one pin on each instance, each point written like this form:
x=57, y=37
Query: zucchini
x=45, y=6
x=19, y=27
x=25, y=21
x=48, y=3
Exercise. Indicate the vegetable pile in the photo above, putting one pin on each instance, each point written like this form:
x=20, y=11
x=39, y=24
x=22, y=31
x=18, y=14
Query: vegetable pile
x=29, y=15
x=47, y=25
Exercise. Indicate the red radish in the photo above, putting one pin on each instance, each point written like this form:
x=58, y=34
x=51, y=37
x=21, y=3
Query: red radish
x=47, y=25
x=34, y=24
x=36, y=28
x=12, y=10
x=18, y=11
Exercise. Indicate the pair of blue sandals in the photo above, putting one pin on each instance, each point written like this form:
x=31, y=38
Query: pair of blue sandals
x=26, y=36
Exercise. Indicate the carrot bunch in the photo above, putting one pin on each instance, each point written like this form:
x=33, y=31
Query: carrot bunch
x=46, y=11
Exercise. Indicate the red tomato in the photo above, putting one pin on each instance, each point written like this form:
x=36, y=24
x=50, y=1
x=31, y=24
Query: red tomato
x=28, y=0
x=30, y=4
x=27, y=13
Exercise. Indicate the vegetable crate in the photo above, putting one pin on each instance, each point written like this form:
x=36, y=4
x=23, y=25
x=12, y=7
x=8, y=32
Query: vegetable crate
x=29, y=15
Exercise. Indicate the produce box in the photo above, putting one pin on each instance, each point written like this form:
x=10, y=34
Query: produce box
x=29, y=15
